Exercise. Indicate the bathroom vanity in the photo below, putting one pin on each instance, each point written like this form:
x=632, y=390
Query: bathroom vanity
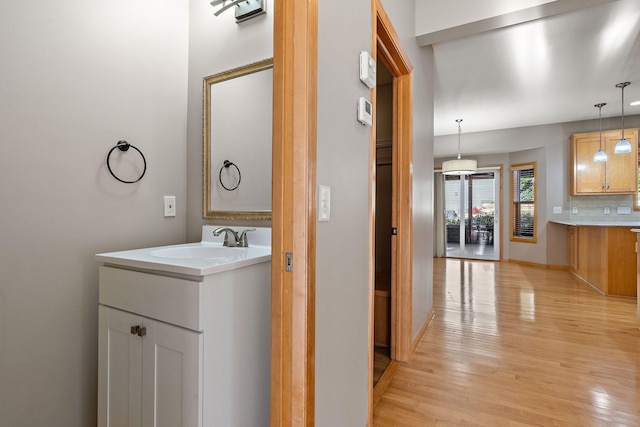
x=184, y=334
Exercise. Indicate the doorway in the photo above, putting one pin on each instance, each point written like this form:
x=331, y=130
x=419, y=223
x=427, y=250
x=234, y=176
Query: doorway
x=471, y=215
x=384, y=220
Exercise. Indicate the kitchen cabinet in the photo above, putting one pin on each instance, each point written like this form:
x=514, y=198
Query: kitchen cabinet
x=618, y=175
x=604, y=257
x=150, y=371
x=572, y=245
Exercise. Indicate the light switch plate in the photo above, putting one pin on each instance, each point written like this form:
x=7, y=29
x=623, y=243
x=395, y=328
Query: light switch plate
x=169, y=206
x=324, y=203
x=557, y=209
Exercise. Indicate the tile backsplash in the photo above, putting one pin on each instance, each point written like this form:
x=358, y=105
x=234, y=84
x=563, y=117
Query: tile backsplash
x=594, y=207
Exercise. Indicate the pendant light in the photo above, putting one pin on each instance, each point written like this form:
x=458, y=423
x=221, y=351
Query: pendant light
x=459, y=166
x=600, y=156
x=623, y=146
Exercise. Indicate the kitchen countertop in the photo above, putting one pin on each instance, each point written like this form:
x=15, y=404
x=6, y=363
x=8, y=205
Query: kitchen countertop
x=596, y=223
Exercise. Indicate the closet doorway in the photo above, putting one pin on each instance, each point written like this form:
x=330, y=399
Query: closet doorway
x=384, y=220
x=471, y=215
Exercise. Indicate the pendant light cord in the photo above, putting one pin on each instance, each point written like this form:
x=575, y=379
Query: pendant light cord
x=459, y=132
x=600, y=117
x=622, y=86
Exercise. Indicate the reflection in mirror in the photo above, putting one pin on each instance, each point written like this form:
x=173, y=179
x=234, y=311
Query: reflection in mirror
x=237, y=142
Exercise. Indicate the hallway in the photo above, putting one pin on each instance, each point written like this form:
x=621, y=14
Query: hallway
x=513, y=345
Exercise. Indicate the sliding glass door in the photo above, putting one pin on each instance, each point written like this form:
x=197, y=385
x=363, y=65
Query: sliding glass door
x=471, y=215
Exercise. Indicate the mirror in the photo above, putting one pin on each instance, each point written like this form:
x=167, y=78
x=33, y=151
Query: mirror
x=237, y=121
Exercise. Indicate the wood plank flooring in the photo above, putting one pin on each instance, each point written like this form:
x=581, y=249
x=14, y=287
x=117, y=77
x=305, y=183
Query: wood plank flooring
x=514, y=345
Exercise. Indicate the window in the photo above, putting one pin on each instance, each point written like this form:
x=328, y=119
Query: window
x=523, y=202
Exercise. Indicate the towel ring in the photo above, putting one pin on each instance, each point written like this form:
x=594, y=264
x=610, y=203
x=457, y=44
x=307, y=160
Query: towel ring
x=226, y=164
x=123, y=145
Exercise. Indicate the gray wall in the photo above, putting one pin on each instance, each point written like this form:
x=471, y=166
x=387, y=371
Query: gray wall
x=549, y=146
x=342, y=244
x=75, y=78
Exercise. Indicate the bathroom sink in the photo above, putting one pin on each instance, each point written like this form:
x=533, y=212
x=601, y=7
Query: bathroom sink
x=208, y=256
x=200, y=252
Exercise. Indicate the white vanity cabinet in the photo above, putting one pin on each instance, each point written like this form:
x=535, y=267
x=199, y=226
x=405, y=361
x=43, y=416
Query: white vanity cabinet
x=183, y=350
x=149, y=372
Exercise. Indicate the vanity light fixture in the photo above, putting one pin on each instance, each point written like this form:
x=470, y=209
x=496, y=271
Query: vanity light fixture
x=600, y=156
x=623, y=146
x=459, y=166
x=245, y=9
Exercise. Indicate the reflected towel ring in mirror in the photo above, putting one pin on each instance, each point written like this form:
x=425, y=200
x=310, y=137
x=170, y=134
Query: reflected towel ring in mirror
x=123, y=145
x=226, y=165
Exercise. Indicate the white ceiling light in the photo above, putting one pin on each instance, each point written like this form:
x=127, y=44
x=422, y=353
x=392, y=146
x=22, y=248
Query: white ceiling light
x=623, y=146
x=459, y=166
x=600, y=156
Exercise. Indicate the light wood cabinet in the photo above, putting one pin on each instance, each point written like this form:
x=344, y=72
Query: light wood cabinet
x=572, y=245
x=618, y=175
x=604, y=257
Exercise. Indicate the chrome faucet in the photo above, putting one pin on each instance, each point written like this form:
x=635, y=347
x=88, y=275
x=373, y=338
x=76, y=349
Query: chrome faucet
x=231, y=237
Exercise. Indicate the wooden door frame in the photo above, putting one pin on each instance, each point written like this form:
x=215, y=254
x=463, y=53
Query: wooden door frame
x=293, y=224
x=387, y=48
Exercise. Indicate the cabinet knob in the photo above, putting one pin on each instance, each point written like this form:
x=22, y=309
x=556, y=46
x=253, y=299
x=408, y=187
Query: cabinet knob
x=139, y=330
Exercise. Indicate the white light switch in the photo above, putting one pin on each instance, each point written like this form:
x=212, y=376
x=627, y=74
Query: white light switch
x=169, y=206
x=324, y=203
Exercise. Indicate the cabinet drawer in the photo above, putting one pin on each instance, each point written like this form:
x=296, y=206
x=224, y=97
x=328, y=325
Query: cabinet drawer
x=169, y=299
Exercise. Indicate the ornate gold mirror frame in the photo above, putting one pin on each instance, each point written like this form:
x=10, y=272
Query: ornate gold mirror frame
x=210, y=211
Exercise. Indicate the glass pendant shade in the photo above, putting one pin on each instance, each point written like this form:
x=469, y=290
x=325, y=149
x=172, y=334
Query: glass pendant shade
x=600, y=156
x=623, y=146
x=459, y=166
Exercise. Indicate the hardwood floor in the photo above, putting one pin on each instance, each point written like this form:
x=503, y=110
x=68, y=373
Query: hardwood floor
x=514, y=345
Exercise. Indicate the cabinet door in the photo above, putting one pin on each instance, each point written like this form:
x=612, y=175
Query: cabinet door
x=589, y=176
x=171, y=376
x=572, y=234
x=119, y=369
x=622, y=169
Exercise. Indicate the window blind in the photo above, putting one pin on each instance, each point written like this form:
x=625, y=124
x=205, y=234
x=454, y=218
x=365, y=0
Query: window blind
x=523, y=201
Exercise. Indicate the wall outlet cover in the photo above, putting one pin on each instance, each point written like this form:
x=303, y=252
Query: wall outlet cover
x=557, y=209
x=169, y=206
x=606, y=210
x=574, y=210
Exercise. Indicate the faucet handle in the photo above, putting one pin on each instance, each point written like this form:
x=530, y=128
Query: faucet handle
x=243, y=241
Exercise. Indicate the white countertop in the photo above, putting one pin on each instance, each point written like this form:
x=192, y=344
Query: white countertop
x=155, y=258
x=597, y=223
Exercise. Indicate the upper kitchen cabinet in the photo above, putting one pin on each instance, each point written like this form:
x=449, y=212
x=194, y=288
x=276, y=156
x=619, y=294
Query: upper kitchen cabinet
x=617, y=175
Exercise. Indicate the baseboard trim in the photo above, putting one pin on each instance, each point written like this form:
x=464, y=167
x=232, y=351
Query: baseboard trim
x=535, y=264
x=384, y=381
x=423, y=330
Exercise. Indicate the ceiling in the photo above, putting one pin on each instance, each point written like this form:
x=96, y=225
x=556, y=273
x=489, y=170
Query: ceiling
x=549, y=70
